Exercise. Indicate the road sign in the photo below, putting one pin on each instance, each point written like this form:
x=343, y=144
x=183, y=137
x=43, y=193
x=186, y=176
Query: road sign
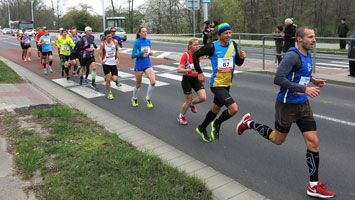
x=193, y=4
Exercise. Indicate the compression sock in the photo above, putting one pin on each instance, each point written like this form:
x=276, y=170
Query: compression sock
x=263, y=130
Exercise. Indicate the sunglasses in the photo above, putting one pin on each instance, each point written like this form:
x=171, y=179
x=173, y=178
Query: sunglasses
x=113, y=31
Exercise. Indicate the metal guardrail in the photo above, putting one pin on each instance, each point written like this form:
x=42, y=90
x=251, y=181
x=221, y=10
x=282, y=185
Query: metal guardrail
x=314, y=52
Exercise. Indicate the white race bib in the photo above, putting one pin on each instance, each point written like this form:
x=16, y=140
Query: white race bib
x=64, y=48
x=225, y=64
x=304, y=80
x=142, y=49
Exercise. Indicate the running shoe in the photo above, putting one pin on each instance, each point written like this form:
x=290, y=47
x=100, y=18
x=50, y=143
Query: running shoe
x=45, y=71
x=182, y=120
x=50, y=69
x=320, y=191
x=29, y=59
x=118, y=84
x=215, y=131
x=93, y=86
x=68, y=77
x=85, y=81
x=243, y=124
x=110, y=96
x=134, y=102
x=193, y=108
x=203, y=134
x=149, y=103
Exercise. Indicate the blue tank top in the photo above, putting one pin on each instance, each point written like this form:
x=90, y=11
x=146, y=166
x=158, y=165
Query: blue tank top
x=301, y=76
x=223, y=64
x=46, y=43
x=139, y=46
x=75, y=40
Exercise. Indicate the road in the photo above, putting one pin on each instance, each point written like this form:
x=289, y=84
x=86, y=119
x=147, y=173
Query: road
x=278, y=172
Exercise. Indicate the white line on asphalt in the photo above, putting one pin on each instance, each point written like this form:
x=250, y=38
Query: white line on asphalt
x=334, y=65
x=163, y=54
x=170, y=76
x=166, y=67
x=146, y=81
x=86, y=92
x=64, y=82
x=125, y=50
x=122, y=88
x=335, y=120
x=333, y=68
x=340, y=62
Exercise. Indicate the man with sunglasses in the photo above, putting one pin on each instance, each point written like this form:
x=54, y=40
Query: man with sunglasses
x=116, y=37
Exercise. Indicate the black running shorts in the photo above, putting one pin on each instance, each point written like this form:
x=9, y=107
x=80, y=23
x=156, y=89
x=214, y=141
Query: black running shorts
x=110, y=69
x=191, y=82
x=301, y=114
x=64, y=58
x=222, y=96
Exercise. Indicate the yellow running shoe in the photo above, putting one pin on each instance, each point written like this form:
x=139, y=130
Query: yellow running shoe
x=149, y=103
x=110, y=96
x=134, y=102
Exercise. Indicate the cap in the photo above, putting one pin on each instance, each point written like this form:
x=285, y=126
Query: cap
x=88, y=28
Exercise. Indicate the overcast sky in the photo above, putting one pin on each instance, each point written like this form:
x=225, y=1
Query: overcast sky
x=95, y=4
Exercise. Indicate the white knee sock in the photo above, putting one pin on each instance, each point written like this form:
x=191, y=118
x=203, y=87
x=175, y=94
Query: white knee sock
x=135, y=93
x=150, y=91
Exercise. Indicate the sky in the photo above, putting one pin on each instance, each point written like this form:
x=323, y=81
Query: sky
x=95, y=4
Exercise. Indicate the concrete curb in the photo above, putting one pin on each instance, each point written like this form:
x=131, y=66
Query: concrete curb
x=222, y=187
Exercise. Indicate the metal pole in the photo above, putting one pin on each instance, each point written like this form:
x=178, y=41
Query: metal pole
x=205, y=11
x=103, y=16
x=8, y=10
x=32, y=11
x=193, y=17
x=264, y=53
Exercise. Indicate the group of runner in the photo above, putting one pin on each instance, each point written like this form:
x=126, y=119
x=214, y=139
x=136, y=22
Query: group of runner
x=293, y=75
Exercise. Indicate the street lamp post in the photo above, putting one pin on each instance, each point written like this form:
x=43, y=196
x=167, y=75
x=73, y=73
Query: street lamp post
x=103, y=15
x=32, y=11
x=8, y=10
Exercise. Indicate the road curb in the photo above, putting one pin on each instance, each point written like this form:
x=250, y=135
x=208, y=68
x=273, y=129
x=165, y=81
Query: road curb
x=222, y=187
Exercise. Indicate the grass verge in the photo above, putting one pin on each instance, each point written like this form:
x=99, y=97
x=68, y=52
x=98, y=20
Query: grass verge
x=78, y=159
x=7, y=75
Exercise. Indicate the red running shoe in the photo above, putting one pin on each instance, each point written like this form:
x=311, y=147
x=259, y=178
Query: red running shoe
x=243, y=124
x=193, y=108
x=320, y=191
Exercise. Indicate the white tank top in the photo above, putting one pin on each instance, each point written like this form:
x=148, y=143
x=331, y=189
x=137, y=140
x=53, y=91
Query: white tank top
x=110, y=54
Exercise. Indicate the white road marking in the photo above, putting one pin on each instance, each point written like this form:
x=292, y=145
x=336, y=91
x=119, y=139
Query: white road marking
x=86, y=92
x=163, y=54
x=122, y=88
x=334, y=65
x=146, y=81
x=170, y=76
x=166, y=67
x=335, y=120
x=340, y=62
x=64, y=82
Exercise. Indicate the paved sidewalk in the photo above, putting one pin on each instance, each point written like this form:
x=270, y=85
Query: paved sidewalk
x=222, y=187
x=332, y=75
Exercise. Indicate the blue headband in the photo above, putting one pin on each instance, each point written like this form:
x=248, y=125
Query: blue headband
x=223, y=27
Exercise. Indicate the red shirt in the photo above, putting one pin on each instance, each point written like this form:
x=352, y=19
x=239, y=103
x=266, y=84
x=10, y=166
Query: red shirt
x=39, y=35
x=186, y=60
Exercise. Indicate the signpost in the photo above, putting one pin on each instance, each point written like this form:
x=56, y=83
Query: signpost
x=193, y=5
x=205, y=9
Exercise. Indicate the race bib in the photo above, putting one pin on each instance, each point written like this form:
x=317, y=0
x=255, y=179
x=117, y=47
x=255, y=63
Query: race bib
x=110, y=54
x=27, y=41
x=225, y=64
x=142, y=49
x=304, y=80
x=64, y=48
x=189, y=66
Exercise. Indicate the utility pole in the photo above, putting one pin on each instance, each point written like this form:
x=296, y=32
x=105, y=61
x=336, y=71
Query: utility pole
x=193, y=18
x=205, y=9
x=33, y=20
x=103, y=16
x=8, y=10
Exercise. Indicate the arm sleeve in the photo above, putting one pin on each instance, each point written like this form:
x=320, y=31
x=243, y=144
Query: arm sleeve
x=207, y=50
x=135, y=52
x=238, y=61
x=290, y=60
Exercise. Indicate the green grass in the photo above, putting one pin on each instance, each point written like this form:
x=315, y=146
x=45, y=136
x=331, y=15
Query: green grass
x=87, y=162
x=7, y=75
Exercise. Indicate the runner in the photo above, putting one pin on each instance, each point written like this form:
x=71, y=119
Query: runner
x=189, y=82
x=39, y=34
x=108, y=57
x=224, y=56
x=116, y=37
x=74, y=54
x=87, y=47
x=141, y=52
x=25, y=42
x=64, y=43
x=61, y=64
x=293, y=76
x=47, y=56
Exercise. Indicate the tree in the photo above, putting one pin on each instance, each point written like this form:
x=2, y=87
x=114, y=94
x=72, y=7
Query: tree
x=81, y=18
